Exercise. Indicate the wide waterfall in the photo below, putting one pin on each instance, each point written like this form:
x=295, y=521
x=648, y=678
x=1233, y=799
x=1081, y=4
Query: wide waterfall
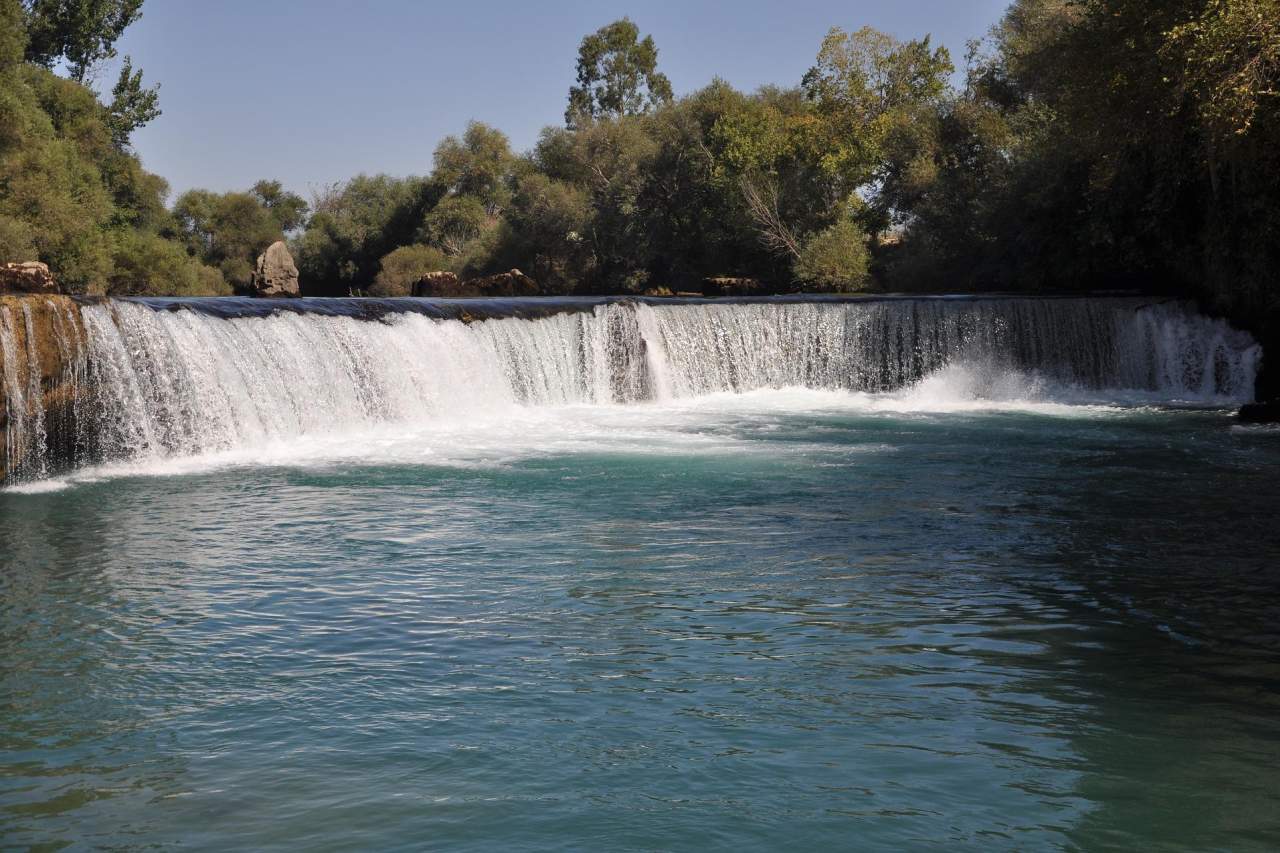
x=151, y=380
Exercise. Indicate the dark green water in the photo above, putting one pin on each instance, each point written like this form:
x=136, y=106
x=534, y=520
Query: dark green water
x=778, y=623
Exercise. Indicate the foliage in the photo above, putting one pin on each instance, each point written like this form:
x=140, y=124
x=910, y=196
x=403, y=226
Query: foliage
x=70, y=193
x=1231, y=58
x=835, y=258
x=132, y=106
x=145, y=264
x=454, y=222
x=403, y=267
x=13, y=34
x=478, y=165
x=81, y=32
x=861, y=86
x=287, y=209
x=227, y=230
x=354, y=225
x=617, y=75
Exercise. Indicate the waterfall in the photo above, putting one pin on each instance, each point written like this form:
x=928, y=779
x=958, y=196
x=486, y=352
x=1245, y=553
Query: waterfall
x=152, y=380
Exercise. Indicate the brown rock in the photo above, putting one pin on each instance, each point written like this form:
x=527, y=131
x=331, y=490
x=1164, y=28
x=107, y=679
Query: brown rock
x=664, y=292
x=437, y=284
x=27, y=277
x=275, y=274
x=732, y=287
x=41, y=338
x=513, y=283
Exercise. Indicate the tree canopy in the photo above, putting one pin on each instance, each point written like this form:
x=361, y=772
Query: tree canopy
x=617, y=75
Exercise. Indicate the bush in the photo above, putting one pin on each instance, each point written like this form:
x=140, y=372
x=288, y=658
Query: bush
x=17, y=240
x=834, y=259
x=401, y=268
x=146, y=264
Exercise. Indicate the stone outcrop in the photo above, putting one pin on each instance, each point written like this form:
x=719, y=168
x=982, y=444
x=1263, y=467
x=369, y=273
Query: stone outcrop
x=513, y=283
x=275, y=274
x=733, y=287
x=659, y=292
x=42, y=347
x=27, y=277
x=437, y=284
x=446, y=284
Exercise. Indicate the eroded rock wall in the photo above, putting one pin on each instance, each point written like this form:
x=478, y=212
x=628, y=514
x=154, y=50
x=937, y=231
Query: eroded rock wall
x=42, y=358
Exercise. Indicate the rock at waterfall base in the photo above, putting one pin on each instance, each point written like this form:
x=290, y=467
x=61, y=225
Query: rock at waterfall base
x=275, y=274
x=27, y=277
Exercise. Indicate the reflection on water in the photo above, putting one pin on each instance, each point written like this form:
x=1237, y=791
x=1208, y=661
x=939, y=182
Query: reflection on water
x=825, y=628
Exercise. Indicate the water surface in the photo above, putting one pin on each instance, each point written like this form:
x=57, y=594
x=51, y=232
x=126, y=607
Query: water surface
x=784, y=619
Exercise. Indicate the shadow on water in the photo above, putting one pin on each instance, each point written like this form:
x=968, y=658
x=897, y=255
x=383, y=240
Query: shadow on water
x=1170, y=555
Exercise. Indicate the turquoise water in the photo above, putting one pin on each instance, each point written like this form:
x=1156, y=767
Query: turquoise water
x=784, y=620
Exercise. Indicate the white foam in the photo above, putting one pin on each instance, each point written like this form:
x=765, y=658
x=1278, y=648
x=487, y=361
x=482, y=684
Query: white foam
x=174, y=392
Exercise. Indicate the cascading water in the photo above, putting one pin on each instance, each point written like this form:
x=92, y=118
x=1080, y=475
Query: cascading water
x=154, y=382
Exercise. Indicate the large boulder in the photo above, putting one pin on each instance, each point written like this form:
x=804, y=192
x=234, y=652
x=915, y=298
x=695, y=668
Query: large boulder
x=733, y=287
x=437, y=284
x=275, y=274
x=513, y=283
x=27, y=277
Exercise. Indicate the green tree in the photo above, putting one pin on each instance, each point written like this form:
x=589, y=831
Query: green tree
x=617, y=75
x=862, y=85
x=144, y=264
x=480, y=164
x=288, y=209
x=549, y=221
x=131, y=106
x=81, y=32
x=227, y=231
x=455, y=222
x=13, y=34
x=353, y=225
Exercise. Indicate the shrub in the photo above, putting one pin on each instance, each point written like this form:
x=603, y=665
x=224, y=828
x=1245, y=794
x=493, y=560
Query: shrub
x=834, y=259
x=146, y=264
x=401, y=268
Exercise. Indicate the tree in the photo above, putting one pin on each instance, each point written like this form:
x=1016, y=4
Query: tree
x=13, y=34
x=131, y=105
x=227, y=231
x=354, y=225
x=288, y=209
x=479, y=164
x=144, y=264
x=862, y=83
x=1231, y=56
x=455, y=222
x=617, y=75
x=82, y=32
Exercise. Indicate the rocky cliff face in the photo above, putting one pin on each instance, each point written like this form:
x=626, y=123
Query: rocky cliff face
x=41, y=359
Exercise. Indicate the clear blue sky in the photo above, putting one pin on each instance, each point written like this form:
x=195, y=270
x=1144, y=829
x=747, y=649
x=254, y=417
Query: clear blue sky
x=313, y=91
